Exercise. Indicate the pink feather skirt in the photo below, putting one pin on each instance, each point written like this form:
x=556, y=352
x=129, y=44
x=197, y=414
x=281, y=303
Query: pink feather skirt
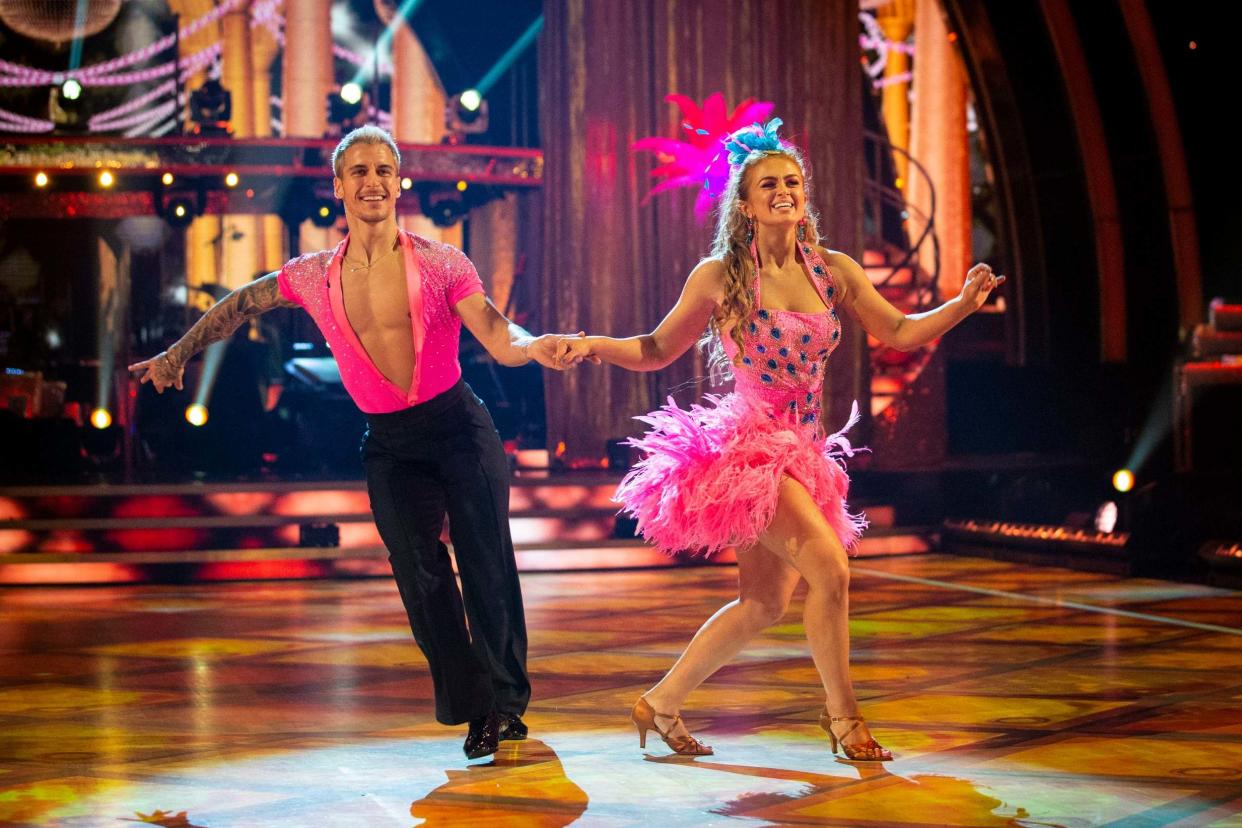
x=709, y=477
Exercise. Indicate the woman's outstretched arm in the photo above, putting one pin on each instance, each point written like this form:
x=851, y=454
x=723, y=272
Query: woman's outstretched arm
x=679, y=330
x=907, y=331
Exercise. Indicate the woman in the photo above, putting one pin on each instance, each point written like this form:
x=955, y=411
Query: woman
x=754, y=470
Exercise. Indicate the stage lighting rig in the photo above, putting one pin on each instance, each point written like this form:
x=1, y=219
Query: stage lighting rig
x=324, y=212
x=211, y=108
x=180, y=210
x=306, y=200
x=445, y=205
x=348, y=108
x=466, y=113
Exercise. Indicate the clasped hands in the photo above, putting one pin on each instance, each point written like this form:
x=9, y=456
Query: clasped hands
x=561, y=351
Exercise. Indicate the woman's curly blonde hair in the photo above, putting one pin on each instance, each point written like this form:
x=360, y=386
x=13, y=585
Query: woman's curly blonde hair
x=731, y=249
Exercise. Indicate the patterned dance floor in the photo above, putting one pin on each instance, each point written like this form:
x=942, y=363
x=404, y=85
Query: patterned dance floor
x=1011, y=695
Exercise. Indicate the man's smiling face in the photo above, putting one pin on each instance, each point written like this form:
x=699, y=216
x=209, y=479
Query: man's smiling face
x=368, y=185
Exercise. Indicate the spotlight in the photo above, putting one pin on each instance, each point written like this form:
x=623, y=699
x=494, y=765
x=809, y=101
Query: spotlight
x=167, y=179
x=101, y=418
x=41, y=179
x=466, y=113
x=179, y=209
x=470, y=100
x=71, y=90
x=106, y=179
x=461, y=186
x=196, y=414
x=323, y=211
x=407, y=183
x=231, y=180
x=351, y=93
x=1123, y=480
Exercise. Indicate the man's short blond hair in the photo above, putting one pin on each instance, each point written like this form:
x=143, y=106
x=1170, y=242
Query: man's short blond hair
x=364, y=135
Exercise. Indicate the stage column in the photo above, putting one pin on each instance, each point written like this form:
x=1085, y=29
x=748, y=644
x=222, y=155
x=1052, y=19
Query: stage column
x=897, y=20
x=202, y=261
x=418, y=116
x=493, y=246
x=940, y=143
x=263, y=50
x=241, y=244
x=306, y=81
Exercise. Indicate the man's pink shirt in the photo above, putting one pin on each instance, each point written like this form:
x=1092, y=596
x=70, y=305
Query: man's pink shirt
x=438, y=276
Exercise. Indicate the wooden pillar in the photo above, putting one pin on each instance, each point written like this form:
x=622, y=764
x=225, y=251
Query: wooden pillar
x=418, y=116
x=202, y=261
x=896, y=19
x=939, y=142
x=241, y=242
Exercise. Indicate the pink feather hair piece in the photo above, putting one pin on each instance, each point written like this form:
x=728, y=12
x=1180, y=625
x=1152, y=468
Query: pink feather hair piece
x=700, y=160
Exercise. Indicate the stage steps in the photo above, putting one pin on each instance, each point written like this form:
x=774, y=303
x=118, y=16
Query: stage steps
x=225, y=531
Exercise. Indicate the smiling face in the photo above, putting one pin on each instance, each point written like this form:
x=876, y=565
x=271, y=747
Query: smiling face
x=775, y=192
x=368, y=185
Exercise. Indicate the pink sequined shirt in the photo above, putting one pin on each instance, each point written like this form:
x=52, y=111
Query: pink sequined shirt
x=437, y=275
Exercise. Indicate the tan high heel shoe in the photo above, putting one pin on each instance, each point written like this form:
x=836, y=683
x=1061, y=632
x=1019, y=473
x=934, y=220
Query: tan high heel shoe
x=868, y=751
x=644, y=717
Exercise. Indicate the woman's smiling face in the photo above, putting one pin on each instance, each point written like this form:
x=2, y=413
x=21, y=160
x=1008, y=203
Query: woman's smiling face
x=774, y=192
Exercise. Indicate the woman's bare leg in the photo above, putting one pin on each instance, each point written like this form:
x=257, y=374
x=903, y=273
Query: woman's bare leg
x=800, y=536
x=765, y=585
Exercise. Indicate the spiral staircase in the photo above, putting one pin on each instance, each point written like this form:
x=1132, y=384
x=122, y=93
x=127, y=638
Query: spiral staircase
x=901, y=257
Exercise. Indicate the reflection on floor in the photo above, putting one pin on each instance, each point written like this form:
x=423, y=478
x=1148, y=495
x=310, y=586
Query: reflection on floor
x=1011, y=695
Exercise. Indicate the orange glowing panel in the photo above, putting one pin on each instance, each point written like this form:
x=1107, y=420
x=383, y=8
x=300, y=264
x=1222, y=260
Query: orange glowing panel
x=65, y=542
x=70, y=573
x=359, y=534
x=163, y=539
x=241, y=503
x=570, y=497
x=257, y=570
x=13, y=540
x=329, y=502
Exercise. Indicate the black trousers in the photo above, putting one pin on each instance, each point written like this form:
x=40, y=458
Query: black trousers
x=437, y=457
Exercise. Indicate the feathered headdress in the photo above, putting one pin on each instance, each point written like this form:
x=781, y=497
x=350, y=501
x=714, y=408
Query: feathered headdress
x=754, y=139
x=702, y=160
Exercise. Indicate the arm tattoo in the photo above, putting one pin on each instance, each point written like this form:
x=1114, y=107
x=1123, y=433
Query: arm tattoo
x=227, y=315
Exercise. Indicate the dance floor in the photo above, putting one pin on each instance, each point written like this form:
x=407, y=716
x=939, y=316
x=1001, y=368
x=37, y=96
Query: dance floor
x=1011, y=696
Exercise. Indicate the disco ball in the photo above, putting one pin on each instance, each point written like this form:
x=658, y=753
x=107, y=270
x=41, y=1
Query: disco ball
x=57, y=20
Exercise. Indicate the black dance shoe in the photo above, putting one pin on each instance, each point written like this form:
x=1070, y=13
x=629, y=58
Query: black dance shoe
x=484, y=736
x=512, y=728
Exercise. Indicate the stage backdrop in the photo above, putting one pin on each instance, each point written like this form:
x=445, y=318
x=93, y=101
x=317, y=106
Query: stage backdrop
x=614, y=266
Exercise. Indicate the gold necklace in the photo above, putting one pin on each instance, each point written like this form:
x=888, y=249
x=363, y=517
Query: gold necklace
x=382, y=256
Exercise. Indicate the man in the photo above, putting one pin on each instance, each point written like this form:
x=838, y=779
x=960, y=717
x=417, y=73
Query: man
x=391, y=305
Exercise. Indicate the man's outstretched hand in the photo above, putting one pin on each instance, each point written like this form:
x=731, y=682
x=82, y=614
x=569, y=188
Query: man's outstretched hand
x=161, y=371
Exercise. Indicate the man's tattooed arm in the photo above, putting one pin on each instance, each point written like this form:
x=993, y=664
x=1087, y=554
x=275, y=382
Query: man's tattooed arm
x=226, y=316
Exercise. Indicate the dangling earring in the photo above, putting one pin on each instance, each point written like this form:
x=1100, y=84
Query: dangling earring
x=802, y=231
x=750, y=230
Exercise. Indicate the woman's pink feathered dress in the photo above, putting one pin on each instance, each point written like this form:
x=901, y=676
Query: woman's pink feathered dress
x=709, y=476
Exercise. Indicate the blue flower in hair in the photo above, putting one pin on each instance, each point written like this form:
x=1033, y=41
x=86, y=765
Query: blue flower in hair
x=754, y=138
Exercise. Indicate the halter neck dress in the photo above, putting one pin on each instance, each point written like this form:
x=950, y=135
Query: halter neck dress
x=709, y=476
